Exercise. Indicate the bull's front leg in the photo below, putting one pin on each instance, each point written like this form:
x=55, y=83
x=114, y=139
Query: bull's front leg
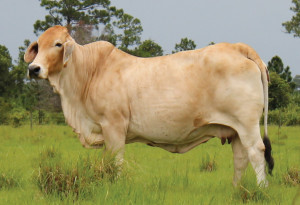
x=114, y=134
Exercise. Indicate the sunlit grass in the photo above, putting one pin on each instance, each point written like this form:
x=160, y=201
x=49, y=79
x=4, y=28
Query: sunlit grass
x=152, y=176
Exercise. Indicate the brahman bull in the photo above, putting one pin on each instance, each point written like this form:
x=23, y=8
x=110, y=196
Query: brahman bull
x=175, y=102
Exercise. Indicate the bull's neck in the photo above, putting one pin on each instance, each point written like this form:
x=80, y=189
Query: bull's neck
x=86, y=62
x=73, y=82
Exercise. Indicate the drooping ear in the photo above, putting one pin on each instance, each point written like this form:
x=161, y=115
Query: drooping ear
x=31, y=52
x=68, y=49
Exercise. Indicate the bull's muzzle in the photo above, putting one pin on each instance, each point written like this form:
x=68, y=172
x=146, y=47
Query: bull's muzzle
x=34, y=71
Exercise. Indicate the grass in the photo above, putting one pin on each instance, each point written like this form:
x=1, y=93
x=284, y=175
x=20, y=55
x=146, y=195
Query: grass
x=47, y=165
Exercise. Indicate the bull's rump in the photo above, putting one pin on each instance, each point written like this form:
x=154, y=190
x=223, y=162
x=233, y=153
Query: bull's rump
x=171, y=97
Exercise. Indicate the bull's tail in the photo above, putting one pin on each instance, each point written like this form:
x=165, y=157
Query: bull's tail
x=250, y=53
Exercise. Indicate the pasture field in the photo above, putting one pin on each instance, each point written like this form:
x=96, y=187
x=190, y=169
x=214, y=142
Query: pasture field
x=150, y=175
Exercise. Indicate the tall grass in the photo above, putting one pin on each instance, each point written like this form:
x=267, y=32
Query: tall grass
x=9, y=179
x=78, y=177
x=49, y=166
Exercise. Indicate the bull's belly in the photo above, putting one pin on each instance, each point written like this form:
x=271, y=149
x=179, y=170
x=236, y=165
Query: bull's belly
x=178, y=138
x=160, y=130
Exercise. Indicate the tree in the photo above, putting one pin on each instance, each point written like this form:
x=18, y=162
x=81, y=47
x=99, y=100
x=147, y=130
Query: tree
x=293, y=26
x=148, y=48
x=279, y=92
x=70, y=12
x=83, y=17
x=29, y=97
x=5, y=66
x=83, y=33
x=132, y=30
x=5, y=108
x=18, y=72
x=184, y=45
x=296, y=80
x=276, y=65
x=108, y=34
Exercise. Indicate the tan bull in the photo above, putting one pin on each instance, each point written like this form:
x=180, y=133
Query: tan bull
x=175, y=102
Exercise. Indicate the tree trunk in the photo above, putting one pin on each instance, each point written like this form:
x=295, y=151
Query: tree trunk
x=31, y=119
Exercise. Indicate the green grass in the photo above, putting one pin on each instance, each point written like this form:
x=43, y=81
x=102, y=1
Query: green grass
x=150, y=175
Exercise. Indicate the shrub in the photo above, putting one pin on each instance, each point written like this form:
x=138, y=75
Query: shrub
x=288, y=116
x=18, y=116
x=57, y=118
x=4, y=110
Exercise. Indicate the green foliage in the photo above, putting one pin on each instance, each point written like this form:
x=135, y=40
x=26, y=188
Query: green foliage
x=30, y=95
x=292, y=26
x=184, y=45
x=296, y=80
x=276, y=65
x=5, y=108
x=18, y=73
x=279, y=92
x=82, y=17
x=289, y=115
x=132, y=30
x=108, y=34
x=71, y=12
x=17, y=116
x=148, y=48
x=296, y=99
x=56, y=118
x=5, y=65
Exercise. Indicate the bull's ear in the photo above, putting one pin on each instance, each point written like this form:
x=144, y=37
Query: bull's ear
x=31, y=52
x=68, y=49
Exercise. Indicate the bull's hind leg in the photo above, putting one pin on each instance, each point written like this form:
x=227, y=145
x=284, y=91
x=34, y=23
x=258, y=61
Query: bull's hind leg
x=240, y=158
x=255, y=148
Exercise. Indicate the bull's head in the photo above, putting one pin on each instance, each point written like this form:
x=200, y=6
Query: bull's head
x=50, y=53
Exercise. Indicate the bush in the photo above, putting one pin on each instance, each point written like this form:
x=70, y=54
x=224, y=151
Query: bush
x=279, y=92
x=4, y=110
x=18, y=116
x=56, y=118
x=286, y=116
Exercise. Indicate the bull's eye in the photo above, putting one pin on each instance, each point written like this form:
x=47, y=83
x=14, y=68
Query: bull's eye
x=58, y=45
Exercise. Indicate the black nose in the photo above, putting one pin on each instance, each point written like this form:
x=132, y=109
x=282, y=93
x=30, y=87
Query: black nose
x=34, y=71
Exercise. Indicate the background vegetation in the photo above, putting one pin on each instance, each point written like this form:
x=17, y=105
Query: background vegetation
x=23, y=101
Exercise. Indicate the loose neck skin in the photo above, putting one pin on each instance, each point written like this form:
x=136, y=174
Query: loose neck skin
x=85, y=63
x=73, y=82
